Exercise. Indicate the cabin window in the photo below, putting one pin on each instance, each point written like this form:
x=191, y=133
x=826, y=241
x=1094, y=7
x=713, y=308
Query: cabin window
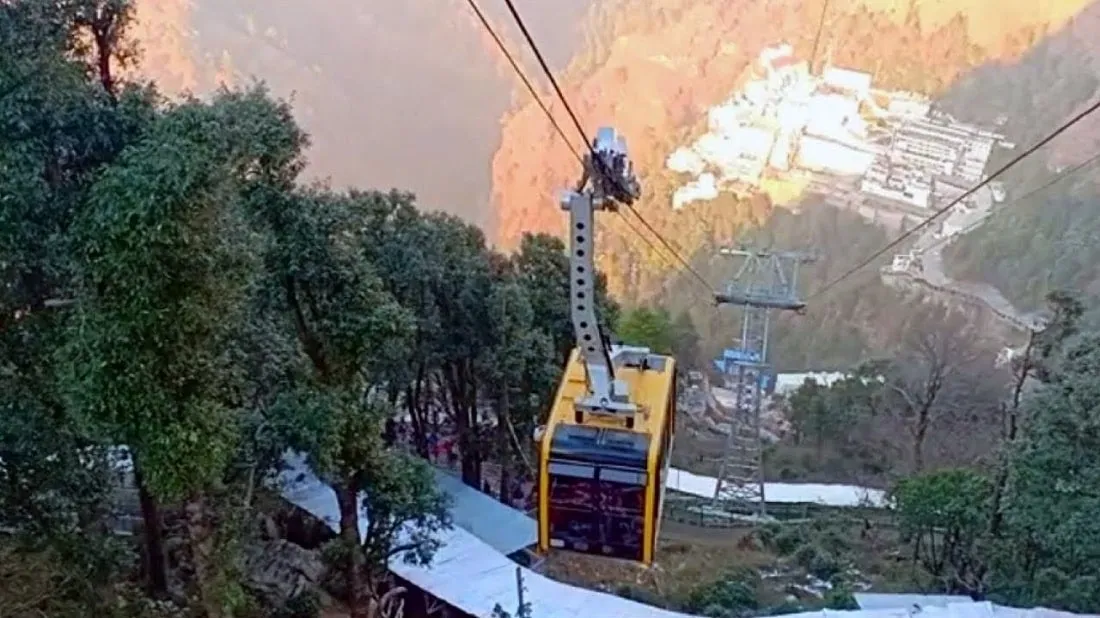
x=622, y=512
x=580, y=471
x=574, y=522
x=597, y=510
x=625, y=477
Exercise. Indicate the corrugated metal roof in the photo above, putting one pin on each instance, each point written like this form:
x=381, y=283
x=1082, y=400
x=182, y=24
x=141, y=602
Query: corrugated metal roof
x=947, y=606
x=498, y=525
x=470, y=575
x=874, y=600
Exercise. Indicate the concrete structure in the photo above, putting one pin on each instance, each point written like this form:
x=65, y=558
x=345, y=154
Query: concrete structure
x=944, y=147
x=910, y=107
x=845, y=79
x=782, y=152
x=686, y=161
x=832, y=116
x=824, y=155
x=704, y=188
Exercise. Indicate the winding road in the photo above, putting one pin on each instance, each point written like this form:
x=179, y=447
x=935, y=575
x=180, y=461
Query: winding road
x=931, y=268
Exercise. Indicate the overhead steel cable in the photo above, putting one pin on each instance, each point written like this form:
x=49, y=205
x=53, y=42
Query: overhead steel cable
x=937, y=214
x=549, y=115
x=1055, y=179
x=588, y=142
x=522, y=76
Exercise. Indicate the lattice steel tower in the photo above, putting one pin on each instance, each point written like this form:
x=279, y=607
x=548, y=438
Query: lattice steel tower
x=764, y=281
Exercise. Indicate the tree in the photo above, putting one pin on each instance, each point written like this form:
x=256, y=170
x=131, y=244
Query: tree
x=686, y=341
x=350, y=332
x=523, y=608
x=827, y=414
x=648, y=327
x=168, y=262
x=944, y=515
x=59, y=128
x=1051, y=536
x=462, y=292
x=939, y=375
x=542, y=266
x=1035, y=363
x=518, y=370
x=1065, y=316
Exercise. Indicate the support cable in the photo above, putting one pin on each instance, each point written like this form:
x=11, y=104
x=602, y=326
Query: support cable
x=937, y=214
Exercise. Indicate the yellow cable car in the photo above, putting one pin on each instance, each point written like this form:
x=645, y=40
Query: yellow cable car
x=605, y=449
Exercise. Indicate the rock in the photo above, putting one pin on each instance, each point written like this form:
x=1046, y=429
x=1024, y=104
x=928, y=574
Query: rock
x=277, y=571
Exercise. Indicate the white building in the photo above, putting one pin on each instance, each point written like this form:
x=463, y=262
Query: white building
x=944, y=147
x=909, y=107
x=823, y=155
x=705, y=188
x=903, y=262
x=913, y=193
x=780, y=158
x=686, y=161
x=724, y=118
x=845, y=79
x=830, y=114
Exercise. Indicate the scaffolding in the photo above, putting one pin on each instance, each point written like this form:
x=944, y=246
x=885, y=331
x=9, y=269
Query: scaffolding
x=764, y=281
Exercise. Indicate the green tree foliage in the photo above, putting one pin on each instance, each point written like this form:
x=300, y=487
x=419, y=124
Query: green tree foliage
x=1045, y=242
x=1052, y=534
x=649, y=327
x=167, y=260
x=837, y=431
x=658, y=330
x=350, y=331
x=732, y=595
x=166, y=285
x=1024, y=536
x=945, y=515
x=58, y=129
x=822, y=414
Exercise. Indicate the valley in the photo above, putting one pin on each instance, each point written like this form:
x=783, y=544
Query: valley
x=282, y=306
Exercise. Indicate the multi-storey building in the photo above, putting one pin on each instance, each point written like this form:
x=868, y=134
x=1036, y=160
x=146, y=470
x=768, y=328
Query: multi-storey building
x=945, y=147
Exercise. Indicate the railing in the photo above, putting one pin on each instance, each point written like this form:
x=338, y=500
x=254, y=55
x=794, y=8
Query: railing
x=699, y=513
x=963, y=295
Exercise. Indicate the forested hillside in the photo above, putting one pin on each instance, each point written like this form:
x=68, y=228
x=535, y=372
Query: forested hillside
x=167, y=286
x=178, y=311
x=1050, y=239
x=659, y=65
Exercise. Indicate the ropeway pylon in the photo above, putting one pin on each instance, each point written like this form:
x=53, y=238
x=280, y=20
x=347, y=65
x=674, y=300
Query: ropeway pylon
x=764, y=281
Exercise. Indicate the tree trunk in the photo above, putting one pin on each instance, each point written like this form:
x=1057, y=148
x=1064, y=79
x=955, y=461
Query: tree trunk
x=463, y=405
x=348, y=499
x=1011, y=425
x=418, y=412
x=504, y=446
x=920, y=433
x=156, y=569
x=201, y=543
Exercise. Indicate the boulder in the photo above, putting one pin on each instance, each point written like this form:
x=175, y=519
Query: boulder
x=277, y=571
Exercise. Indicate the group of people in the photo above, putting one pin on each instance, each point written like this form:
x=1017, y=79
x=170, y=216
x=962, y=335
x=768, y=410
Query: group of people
x=443, y=450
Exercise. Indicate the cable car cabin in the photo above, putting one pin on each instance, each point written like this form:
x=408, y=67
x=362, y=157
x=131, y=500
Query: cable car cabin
x=602, y=478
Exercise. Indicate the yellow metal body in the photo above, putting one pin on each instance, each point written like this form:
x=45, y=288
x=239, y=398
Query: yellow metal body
x=653, y=391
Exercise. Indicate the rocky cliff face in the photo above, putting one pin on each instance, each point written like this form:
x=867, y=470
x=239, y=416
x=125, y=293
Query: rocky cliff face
x=414, y=94
x=658, y=65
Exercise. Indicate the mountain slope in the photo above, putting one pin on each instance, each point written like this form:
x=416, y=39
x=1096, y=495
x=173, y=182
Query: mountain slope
x=406, y=94
x=660, y=64
x=1052, y=239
